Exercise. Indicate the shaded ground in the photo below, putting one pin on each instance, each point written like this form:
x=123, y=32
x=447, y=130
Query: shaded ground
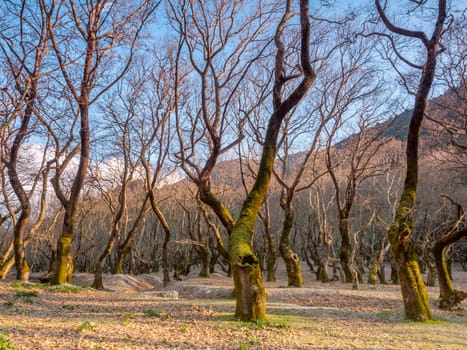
x=136, y=315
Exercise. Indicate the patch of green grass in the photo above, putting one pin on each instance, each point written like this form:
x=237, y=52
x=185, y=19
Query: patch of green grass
x=159, y=313
x=129, y=318
x=271, y=321
x=6, y=344
x=184, y=327
x=86, y=325
x=65, y=288
x=26, y=285
x=9, y=303
x=28, y=301
x=26, y=294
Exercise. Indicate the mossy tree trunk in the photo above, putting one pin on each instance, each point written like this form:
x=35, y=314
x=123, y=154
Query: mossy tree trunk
x=449, y=297
x=7, y=261
x=249, y=288
x=292, y=262
x=64, y=268
x=122, y=252
x=87, y=28
x=345, y=252
x=377, y=266
x=64, y=260
x=412, y=286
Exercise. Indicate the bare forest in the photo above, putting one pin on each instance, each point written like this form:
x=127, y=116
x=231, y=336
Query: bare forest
x=253, y=160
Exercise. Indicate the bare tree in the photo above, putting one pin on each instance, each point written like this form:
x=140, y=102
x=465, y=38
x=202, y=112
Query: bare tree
x=86, y=36
x=249, y=288
x=120, y=112
x=412, y=285
x=157, y=142
x=222, y=41
x=23, y=52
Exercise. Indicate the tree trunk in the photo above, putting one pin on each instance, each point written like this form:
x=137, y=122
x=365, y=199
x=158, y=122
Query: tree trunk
x=323, y=271
x=203, y=253
x=346, y=254
x=6, y=265
x=249, y=288
x=64, y=264
x=394, y=272
x=271, y=260
x=165, y=259
x=292, y=263
x=271, y=253
x=98, y=284
x=412, y=286
x=122, y=252
x=377, y=266
x=432, y=274
x=373, y=273
x=449, y=298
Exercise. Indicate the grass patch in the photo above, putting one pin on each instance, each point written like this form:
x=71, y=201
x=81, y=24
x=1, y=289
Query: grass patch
x=129, y=318
x=9, y=303
x=86, y=325
x=6, y=344
x=164, y=315
x=271, y=321
x=26, y=285
x=26, y=294
x=65, y=288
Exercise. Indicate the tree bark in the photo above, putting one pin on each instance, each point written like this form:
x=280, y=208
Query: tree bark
x=203, y=253
x=292, y=262
x=449, y=298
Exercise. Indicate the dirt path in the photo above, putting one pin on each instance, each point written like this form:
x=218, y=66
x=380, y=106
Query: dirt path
x=330, y=316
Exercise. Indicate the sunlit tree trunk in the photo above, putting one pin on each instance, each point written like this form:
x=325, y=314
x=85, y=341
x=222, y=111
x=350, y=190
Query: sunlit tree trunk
x=292, y=262
x=449, y=297
x=249, y=288
x=413, y=288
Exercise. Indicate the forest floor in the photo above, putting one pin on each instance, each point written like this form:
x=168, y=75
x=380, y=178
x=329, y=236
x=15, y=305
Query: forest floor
x=136, y=313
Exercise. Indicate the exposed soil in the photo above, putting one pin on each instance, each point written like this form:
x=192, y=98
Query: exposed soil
x=137, y=313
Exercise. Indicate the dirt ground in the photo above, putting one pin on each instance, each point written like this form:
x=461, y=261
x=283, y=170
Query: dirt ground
x=137, y=313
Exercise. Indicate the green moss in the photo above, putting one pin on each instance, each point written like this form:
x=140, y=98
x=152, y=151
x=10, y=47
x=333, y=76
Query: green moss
x=417, y=307
x=86, y=325
x=64, y=268
x=6, y=344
